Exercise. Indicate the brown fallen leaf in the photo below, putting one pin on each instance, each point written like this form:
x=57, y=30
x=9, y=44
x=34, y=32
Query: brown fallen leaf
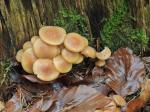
x=120, y=101
x=140, y=101
x=80, y=98
x=16, y=103
x=125, y=72
x=42, y=105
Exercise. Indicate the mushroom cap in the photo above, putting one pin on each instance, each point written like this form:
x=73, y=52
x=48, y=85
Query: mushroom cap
x=70, y=57
x=104, y=54
x=45, y=70
x=100, y=63
x=19, y=55
x=89, y=52
x=80, y=59
x=52, y=35
x=27, y=45
x=34, y=38
x=28, y=58
x=43, y=50
x=75, y=42
x=61, y=64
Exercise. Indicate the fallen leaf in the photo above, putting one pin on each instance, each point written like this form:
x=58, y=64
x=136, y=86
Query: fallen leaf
x=140, y=101
x=80, y=98
x=120, y=101
x=16, y=103
x=125, y=72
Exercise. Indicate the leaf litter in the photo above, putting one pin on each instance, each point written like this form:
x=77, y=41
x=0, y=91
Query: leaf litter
x=91, y=89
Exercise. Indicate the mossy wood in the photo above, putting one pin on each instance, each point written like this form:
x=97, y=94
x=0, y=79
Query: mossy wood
x=21, y=19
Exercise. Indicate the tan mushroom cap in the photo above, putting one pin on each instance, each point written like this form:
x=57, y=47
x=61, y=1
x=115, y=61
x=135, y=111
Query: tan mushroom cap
x=43, y=50
x=61, y=64
x=19, y=55
x=34, y=38
x=100, y=63
x=70, y=57
x=89, y=52
x=27, y=45
x=75, y=42
x=45, y=70
x=28, y=58
x=52, y=35
x=80, y=59
x=104, y=54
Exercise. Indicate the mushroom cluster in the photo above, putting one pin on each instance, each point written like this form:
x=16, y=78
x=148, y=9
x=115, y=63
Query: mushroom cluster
x=54, y=52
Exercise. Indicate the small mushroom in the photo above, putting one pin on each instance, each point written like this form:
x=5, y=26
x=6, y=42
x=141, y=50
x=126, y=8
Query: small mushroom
x=27, y=45
x=104, y=54
x=70, y=57
x=75, y=42
x=80, y=59
x=45, y=70
x=43, y=50
x=61, y=64
x=28, y=58
x=19, y=55
x=52, y=35
x=89, y=52
x=100, y=63
x=34, y=38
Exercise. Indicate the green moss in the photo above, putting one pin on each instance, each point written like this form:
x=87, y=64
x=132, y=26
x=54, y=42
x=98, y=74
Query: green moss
x=72, y=21
x=5, y=67
x=118, y=32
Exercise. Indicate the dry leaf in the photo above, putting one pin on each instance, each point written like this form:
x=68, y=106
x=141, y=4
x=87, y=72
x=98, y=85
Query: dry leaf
x=140, y=101
x=120, y=101
x=75, y=99
x=16, y=103
x=125, y=72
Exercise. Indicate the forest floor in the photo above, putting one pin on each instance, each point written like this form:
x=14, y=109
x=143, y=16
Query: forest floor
x=29, y=96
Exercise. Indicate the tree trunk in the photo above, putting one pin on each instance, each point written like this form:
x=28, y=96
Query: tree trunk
x=21, y=19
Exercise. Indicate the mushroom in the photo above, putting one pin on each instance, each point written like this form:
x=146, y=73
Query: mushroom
x=19, y=55
x=45, y=70
x=61, y=64
x=70, y=57
x=80, y=59
x=89, y=52
x=27, y=45
x=104, y=54
x=28, y=58
x=75, y=42
x=34, y=38
x=52, y=35
x=43, y=50
x=100, y=63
